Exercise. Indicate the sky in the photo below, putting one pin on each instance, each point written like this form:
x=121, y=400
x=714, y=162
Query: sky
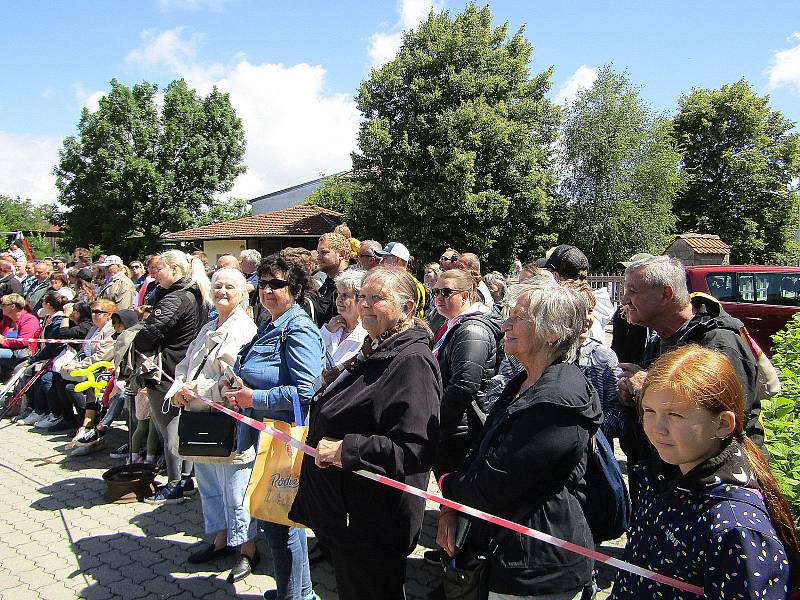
x=293, y=68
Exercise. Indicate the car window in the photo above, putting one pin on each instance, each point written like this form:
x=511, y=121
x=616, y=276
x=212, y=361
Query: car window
x=721, y=286
x=782, y=289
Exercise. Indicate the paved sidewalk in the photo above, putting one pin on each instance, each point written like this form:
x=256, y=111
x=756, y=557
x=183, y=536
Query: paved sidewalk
x=59, y=539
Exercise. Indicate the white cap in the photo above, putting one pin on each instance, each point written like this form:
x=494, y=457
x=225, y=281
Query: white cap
x=111, y=259
x=395, y=249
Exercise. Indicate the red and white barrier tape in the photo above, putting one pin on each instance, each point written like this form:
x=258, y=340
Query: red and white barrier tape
x=57, y=341
x=474, y=512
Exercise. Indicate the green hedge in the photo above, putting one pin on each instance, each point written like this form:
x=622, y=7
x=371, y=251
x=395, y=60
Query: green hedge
x=781, y=415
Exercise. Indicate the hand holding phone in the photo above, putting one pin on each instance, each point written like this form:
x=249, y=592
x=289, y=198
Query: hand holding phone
x=231, y=380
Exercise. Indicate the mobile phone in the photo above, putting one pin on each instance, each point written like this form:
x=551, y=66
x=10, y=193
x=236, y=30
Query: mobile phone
x=231, y=380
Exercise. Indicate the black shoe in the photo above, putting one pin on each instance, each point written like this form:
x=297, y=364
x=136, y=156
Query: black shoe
x=209, y=553
x=433, y=557
x=243, y=567
x=188, y=487
x=121, y=452
x=172, y=493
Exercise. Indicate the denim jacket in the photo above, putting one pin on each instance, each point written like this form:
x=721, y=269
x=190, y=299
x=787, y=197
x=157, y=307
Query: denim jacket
x=284, y=358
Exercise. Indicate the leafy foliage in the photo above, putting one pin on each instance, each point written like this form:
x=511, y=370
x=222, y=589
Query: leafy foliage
x=337, y=193
x=618, y=174
x=147, y=171
x=456, y=143
x=17, y=214
x=224, y=210
x=781, y=415
x=741, y=160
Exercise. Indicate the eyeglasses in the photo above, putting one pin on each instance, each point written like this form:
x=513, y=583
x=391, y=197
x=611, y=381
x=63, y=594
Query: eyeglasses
x=97, y=311
x=453, y=258
x=371, y=299
x=8, y=304
x=274, y=284
x=444, y=292
x=370, y=255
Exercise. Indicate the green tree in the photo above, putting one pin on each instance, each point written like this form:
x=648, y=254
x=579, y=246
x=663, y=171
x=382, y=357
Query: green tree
x=741, y=159
x=17, y=214
x=147, y=171
x=619, y=173
x=456, y=144
x=337, y=193
x=224, y=210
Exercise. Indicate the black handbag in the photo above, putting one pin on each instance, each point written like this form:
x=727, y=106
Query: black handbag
x=465, y=577
x=206, y=433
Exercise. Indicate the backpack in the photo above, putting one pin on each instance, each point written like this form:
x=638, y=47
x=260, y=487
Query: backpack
x=608, y=505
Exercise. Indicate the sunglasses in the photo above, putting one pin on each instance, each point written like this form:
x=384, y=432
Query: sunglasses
x=444, y=292
x=274, y=284
x=96, y=311
x=453, y=258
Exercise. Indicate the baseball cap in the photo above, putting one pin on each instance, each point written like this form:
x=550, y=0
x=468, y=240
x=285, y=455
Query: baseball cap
x=635, y=258
x=111, y=259
x=568, y=261
x=395, y=249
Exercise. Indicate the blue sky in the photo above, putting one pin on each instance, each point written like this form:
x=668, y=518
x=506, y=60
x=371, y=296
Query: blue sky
x=292, y=68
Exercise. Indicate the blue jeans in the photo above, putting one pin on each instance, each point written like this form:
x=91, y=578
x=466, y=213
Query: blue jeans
x=290, y=559
x=222, y=488
x=40, y=389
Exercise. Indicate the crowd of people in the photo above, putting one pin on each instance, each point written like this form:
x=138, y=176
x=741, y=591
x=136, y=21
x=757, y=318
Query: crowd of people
x=498, y=385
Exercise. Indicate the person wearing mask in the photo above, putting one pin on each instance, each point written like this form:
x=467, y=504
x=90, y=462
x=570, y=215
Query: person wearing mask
x=530, y=461
x=708, y=510
x=275, y=369
x=221, y=481
x=380, y=414
x=116, y=286
x=180, y=309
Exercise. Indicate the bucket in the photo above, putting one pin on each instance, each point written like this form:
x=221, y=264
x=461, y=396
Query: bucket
x=130, y=483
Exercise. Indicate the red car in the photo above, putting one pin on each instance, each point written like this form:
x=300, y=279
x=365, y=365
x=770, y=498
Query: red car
x=763, y=298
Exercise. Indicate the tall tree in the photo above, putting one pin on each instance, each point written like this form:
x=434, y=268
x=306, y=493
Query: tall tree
x=456, y=144
x=741, y=159
x=619, y=173
x=221, y=210
x=147, y=171
x=17, y=214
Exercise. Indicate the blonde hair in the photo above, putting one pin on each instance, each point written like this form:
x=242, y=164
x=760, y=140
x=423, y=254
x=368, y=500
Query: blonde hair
x=467, y=281
x=107, y=305
x=189, y=267
x=336, y=241
x=15, y=299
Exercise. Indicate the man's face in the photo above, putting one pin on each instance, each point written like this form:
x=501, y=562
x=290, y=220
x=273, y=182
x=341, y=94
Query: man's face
x=227, y=261
x=5, y=269
x=30, y=268
x=367, y=258
x=42, y=272
x=391, y=261
x=20, y=268
x=448, y=260
x=644, y=303
x=249, y=266
x=327, y=257
x=58, y=265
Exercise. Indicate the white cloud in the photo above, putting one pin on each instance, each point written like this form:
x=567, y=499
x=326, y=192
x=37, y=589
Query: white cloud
x=85, y=98
x=294, y=130
x=384, y=45
x=582, y=79
x=212, y=5
x=784, y=69
x=26, y=166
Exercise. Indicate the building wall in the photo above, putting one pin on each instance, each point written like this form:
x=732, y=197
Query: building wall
x=216, y=248
x=682, y=250
x=285, y=199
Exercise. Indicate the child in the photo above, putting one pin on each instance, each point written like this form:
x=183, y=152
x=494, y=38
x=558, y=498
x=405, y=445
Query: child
x=709, y=511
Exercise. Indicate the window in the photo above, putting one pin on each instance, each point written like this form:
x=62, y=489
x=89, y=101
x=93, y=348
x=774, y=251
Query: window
x=721, y=286
x=781, y=289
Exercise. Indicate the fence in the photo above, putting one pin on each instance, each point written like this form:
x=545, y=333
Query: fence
x=613, y=283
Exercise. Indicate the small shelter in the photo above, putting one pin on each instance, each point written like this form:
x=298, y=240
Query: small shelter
x=298, y=226
x=699, y=249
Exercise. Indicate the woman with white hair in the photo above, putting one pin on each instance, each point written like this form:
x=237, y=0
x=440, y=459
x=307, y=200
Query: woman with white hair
x=344, y=335
x=180, y=309
x=222, y=481
x=530, y=461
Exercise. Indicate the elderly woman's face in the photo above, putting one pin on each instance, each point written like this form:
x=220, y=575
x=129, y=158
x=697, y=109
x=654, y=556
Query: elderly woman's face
x=378, y=309
x=100, y=316
x=519, y=340
x=346, y=303
x=274, y=293
x=225, y=293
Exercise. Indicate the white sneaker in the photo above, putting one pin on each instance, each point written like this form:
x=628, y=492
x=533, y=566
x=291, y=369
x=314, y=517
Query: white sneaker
x=46, y=422
x=32, y=418
x=85, y=449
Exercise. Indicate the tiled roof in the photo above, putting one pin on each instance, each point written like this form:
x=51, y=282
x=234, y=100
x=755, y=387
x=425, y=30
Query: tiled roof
x=704, y=243
x=295, y=221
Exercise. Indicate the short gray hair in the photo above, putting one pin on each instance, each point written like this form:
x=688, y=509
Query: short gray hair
x=350, y=279
x=537, y=282
x=663, y=271
x=555, y=311
x=238, y=279
x=250, y=254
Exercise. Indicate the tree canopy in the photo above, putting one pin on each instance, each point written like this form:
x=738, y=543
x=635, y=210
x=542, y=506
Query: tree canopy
x=17, y=214
x=618, y=173
x=741, y=159
x=456, y=143
x=147, y=170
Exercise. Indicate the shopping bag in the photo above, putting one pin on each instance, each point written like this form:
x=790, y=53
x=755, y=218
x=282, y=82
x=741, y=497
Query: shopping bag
x=276, y=474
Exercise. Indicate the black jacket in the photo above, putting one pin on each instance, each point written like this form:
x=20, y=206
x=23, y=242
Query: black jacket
x=468, y=359
x=178, y=314
x=387, y=412
x=50, y=350
x=529, y=467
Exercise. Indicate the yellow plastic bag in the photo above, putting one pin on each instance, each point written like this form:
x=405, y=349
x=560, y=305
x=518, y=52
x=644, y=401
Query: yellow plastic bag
x=276, y=475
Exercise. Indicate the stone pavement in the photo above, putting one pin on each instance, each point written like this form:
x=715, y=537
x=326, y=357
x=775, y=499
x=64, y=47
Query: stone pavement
x=60, y=539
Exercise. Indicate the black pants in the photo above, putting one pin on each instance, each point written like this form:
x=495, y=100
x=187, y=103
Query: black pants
x=375, y=577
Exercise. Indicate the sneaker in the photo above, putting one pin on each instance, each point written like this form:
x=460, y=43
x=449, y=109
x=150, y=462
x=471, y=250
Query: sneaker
x=84, y=449
x=22, y=416
x=61, y=426
x=121, y=452
x=433, y=557
x=188, y=487
x=172, y=493
x=32, y=418
x=91, y=436
x=47, y=421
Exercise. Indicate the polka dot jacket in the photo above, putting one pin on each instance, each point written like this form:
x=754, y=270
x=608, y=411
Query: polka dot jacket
x=709, y=527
